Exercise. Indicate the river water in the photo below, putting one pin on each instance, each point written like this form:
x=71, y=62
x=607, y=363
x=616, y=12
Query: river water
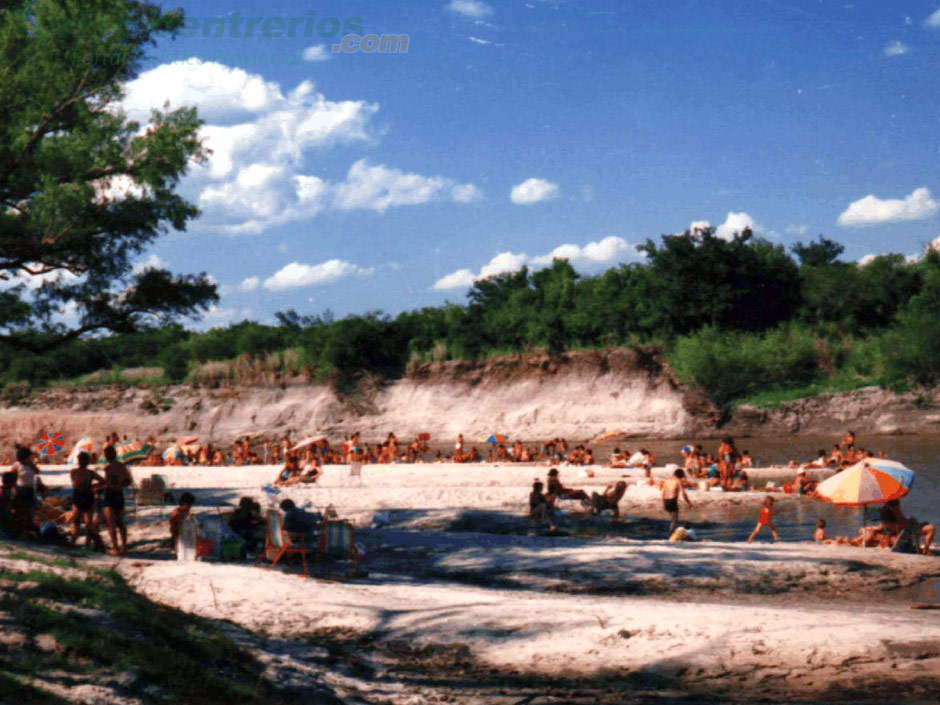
x=796, y=521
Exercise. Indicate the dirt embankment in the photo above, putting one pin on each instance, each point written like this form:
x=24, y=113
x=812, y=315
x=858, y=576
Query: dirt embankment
x=530, y=396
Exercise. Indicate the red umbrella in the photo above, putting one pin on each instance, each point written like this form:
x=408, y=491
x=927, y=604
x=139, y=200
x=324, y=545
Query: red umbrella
x=51, y=443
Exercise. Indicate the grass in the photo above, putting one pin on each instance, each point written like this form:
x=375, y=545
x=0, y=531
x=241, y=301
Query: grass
x=175, y=657
x=774, y=397
x=111, y=378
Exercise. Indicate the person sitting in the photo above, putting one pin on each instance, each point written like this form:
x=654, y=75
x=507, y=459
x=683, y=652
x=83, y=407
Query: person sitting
x=298, y=521
x=746, y=461
x=895, y=523
x=822, y=461
x=741, y=482
x=804, y=484
x=559, y=491
x=311, y=472
x=290, y=473
x=246, y=521
x=819, y=536
x=610, y=499
x=616, y=459
x=541, y=508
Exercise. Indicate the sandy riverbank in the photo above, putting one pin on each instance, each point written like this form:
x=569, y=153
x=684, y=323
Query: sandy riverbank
x=497, y=612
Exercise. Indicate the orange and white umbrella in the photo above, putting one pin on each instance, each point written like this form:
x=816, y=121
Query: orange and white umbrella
x=870, y=481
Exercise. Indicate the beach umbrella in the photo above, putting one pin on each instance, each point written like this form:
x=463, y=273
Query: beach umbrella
x=687, y=449
x=493, y=438
x=305, y=442
x=51, y=443
x=84, y=445
x=870, y=481
x=130, y=451
x=609, y=436
x=173, y=452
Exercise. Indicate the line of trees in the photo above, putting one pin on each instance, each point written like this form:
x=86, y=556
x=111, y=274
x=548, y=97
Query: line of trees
x=734, y=317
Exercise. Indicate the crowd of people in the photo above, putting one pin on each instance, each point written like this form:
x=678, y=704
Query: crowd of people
x=101, y=493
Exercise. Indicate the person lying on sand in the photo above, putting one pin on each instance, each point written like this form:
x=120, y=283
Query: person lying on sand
x=541, y=508
x=610, y=499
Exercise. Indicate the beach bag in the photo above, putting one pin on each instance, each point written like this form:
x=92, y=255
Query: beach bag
x=203, y=548
x=233, y=549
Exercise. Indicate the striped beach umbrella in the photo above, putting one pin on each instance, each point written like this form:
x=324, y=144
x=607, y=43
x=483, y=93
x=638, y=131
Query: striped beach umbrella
x=173, y=453
x=130, y=451
x=493, y=438
x=51, y=443
x=870, y=481
x=84, y=445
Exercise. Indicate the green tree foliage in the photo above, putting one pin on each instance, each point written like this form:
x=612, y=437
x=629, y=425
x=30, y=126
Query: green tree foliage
x=83, y=190
x=737, y=318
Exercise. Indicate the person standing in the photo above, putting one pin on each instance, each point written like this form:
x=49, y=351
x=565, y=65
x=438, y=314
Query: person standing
x=116, y=478
x=765, y=519
x=83, y=502
x=672, y=488
x=24, y=501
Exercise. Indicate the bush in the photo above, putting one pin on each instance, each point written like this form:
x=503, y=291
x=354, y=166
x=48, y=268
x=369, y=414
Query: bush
x=728, y=365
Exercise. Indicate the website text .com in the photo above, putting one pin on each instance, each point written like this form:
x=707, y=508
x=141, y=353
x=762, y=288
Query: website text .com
x=372, y=43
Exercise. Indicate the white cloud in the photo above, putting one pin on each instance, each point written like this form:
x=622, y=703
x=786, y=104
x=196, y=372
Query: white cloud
x=609, y=249
x=796, y=229
x=868, y=259
x=318, y=52
x=896, y=49
x=470, y=8
x=465, y=193
x=697, y=225
x=875, y=211
x=260, y=137
x=153, y=261
x=934, y=19
x=296, y=275
x=461, y=279
x=736, y=223
x=249, y=284
x=116, y=188
x=477, y=40
x=532, y=191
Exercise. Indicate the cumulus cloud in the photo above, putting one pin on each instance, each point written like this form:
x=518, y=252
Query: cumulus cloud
x=736, y=223
x=260, y=136
x=697, y=225
x=875, y=211
x=896, y=49
x=532, y=191
x=470, y=8
x=249, y=284
x=377, y=187
x=461, y=279
x=295, y=274
x=318, y=52
x=609, y=249
x=934, y=19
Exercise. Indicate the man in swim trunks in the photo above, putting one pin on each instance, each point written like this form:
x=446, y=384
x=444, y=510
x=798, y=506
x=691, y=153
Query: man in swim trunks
x=116, y=478
x=672, y=488
x=84, y=481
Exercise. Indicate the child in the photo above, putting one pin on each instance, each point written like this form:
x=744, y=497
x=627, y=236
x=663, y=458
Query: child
x=765, y=519
x=178, y=515
x=819, y=536
x=541, y=508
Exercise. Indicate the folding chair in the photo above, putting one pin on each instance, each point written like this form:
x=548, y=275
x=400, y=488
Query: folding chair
x=279, y=543
x=338, y=541
x=355, y=471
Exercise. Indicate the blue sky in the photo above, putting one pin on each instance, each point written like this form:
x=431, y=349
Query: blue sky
x=511, y=131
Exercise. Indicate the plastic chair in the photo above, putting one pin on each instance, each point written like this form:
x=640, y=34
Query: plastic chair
x=279, y=543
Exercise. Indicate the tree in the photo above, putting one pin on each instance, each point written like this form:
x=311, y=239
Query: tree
x=819, y=253
x=83, y=190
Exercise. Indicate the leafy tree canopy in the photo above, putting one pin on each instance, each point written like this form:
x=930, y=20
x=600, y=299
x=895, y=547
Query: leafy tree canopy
x=84, y=190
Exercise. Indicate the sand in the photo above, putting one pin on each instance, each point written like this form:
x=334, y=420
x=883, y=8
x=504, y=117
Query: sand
x=502, y=612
